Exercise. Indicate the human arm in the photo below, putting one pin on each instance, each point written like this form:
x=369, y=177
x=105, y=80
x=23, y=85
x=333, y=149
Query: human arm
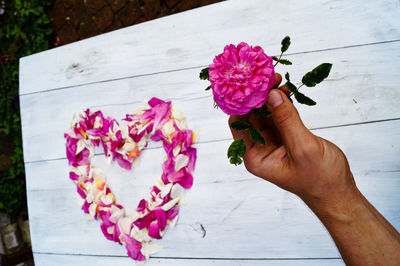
x=318, y=172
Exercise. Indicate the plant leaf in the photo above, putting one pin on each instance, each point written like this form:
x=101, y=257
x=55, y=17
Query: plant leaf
x=236, y=151
x=285, y=44
x=287, y=76
x=204, y=74
x=257, y=136
x=208, y=88
x=316, y=75
x=291, y=87
x=301, y=98
x=240, y=125
x=275, y=58
x=262, y=111
x=215, y=105
x=284, y=62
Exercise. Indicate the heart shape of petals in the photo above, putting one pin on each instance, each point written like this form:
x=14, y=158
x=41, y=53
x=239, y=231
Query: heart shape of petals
x=158, y=121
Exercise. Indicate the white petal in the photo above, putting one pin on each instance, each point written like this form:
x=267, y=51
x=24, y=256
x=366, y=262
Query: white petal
x=176, y=150
x=92, y=209
x=142, y=143
x=137, y=234
x=177, y=191
x=177, y=114
x=168, y=128
x=106, y=199
x=97, y=122
x=165, y=190
x=195, y=135
x=75, y=119
x=181, y=124
x=148, y=249
x=110, y=230
x=143, y=128
x=128, y=146
x=180, y=162
x=80, y=146
x=173, y=221
x=81, y=170
x=89, y=198
x=170, y=204
x=125, y=224
x=98, y=173
x=116, y=213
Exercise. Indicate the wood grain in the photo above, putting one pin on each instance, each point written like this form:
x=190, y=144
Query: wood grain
x=248, y=221
x=362, y=87
x=193, y=38
x=276, y=224
x=50, y=260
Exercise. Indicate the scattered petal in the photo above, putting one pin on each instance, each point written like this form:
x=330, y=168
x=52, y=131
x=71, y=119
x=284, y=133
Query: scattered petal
x=180, y=162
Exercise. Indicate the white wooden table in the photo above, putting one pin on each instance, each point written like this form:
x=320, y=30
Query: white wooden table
x=247, y=221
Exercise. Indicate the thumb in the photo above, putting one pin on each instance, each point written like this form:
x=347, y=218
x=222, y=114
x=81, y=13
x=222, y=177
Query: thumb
x=286, y=119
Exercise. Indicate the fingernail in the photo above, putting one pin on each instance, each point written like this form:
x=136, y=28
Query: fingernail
x=275, y=98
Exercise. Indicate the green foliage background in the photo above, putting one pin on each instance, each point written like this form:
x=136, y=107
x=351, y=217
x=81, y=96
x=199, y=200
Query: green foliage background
x=24, y=30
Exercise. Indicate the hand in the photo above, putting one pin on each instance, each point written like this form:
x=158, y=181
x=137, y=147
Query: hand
x=294, y=158
x=318, y=172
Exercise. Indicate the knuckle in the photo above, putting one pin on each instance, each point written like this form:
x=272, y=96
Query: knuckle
x=311, y=148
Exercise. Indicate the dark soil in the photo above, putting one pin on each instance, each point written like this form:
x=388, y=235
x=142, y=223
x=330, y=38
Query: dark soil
x=74, y=20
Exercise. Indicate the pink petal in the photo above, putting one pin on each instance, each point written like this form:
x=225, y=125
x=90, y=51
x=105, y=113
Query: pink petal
x=85, y=206
x=187, y=182
x=158, y=135
x=142, y=206
x=192, y=153
x=173, y=212
x=71, y=149
x=133, y=246
x=117, y=234
x=124, y=163
x=145, y=221
x=155, y=101
x=161, y=218
x=154, y=230
x=80, y=192
x=103, y=228
x=73, y=176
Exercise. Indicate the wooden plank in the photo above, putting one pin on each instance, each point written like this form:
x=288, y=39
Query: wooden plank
x=369, y=148
x=192, y=38
x=250, y=219
x=362, y=87
x=276, y=225
x=67, y=260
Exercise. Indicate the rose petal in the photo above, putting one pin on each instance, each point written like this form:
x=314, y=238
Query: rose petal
x=73, y=176
x=154, y=230
x=133, y=246
x=180, y=162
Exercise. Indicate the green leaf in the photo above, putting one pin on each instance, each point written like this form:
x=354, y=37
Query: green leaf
x=240, y=125
x=291, y=87
x=275, y=58
x=215, y=105
x=287, y=76
x=285, y=44
x=257, y=136
x=284, y=62
x=208, y=88
x=317, y=75
x=301, y=98
x=236, y=151
x=204, y=74
x=262, y=111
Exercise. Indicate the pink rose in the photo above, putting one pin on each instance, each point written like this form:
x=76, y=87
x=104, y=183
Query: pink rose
x=241, y=78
